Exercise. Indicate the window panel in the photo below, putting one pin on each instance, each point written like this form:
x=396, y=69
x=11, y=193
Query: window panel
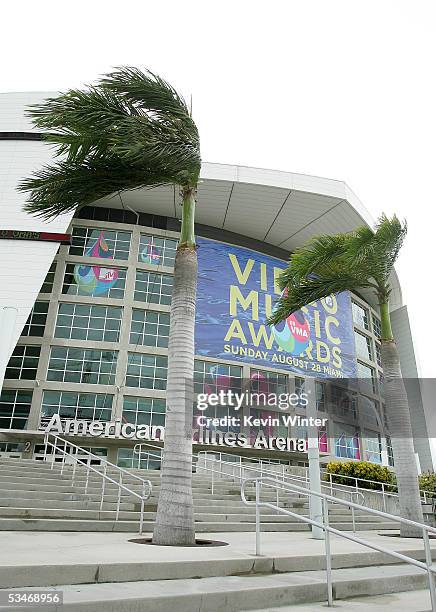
x=373, y=449
x=263, y=381
x=300, y=388
x=378, y=353
x=96, y=242
x=150, y=328
x=153, y=288
x=87, y=322
x=94, y=281
x=23, y=363
x=146, y=371
x=363, y=346
x=129, y=460
x=36, y=321
x=366, y=377
x=47, y=285
x=144, y=411
x=71, y=405
x=376, y=327
x=347, y=442
x=14, y=408
x=360, y=316
x=320, y=391
x=76, y=365
x=210, y=377
x=343, y=402
x=157, y=251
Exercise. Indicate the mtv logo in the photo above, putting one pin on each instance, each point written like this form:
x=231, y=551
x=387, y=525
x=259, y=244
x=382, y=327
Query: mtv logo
x=107, y=274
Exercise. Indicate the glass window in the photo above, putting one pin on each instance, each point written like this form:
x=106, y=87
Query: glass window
x=47, y=285
x=157, y=251
x=262, y=381
x=343, y=402
x=363, y=346
x=153, y=288
x=373, y=446
x=88, y=322
x=323, y=441
x=378, y=353
x=369, y=412
x=96, y=242
x=366, y=377
x=210, y=377
x=320, y=396
x=376, y=326
x=300, y=388
x=360, y=316
x=147, y=371
x=347, y=443
x=14, y=408
x=144, y=411
x=72, y=405
x=76, y=365
x=147, y=460
x=150, y=328
x=36, y=321
x=23, y=363
x=94, y=281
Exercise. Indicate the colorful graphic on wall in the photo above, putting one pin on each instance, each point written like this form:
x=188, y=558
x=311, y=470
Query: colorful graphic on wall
x=237, y=291
x=150, y=254
x=96, y=280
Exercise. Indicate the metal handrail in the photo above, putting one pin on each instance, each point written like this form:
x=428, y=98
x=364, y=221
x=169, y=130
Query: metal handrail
x=424, y=493
x=94, y=456
x=324, y=525
x=239, y=477
x=143, y=497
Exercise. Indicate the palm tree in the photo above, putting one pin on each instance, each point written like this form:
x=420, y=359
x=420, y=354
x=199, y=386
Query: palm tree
x=362, y=259
x=132, y=130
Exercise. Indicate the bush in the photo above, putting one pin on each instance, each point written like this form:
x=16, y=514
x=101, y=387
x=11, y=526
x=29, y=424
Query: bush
x=361, y=470
x=427, y=482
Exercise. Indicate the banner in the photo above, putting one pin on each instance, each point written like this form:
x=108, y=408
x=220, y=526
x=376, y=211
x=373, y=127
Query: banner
x=237, y=291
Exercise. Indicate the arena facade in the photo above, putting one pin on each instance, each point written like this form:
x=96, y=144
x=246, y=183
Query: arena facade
x=89, y=341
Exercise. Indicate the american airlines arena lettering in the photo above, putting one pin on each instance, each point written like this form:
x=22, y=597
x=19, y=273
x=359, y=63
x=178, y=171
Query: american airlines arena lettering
x=118, y=430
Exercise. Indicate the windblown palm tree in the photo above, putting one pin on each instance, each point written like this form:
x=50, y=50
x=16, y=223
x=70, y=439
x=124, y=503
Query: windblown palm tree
x=132, y=130
x=362, y=259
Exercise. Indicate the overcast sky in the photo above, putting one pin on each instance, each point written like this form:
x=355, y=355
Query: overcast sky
x=336, y=88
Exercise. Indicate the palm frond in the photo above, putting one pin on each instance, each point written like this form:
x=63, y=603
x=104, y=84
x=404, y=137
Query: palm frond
x=67, y=186
x=330, y=264
x=131, y=129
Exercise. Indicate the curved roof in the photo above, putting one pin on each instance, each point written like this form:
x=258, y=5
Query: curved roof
x=282, y=209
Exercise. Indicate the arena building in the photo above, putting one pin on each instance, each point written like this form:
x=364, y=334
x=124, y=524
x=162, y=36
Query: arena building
x=89, y=341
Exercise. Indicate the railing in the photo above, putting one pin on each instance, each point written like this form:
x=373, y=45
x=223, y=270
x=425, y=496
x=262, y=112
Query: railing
x=426, y=496
x=324, y=525
x=60, y=445
x=220, y=466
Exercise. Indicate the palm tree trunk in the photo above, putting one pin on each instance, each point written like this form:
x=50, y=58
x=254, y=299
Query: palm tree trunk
x=175, y=514
x=400, y=429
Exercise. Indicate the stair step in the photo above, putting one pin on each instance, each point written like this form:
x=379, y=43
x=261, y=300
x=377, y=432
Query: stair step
x=233, y=593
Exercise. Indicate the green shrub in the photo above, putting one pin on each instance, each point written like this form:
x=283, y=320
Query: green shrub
x=427, y=482
x=361, y=470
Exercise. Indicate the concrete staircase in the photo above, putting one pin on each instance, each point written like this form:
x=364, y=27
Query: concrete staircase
x=226, y=583
x=34, y=497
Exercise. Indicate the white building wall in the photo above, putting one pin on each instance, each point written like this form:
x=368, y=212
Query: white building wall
x=24, y=264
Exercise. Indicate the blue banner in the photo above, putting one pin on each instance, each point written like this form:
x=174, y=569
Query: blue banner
x=237, y=290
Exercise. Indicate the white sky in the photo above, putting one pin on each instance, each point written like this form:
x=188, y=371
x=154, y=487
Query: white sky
x=336, y=88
